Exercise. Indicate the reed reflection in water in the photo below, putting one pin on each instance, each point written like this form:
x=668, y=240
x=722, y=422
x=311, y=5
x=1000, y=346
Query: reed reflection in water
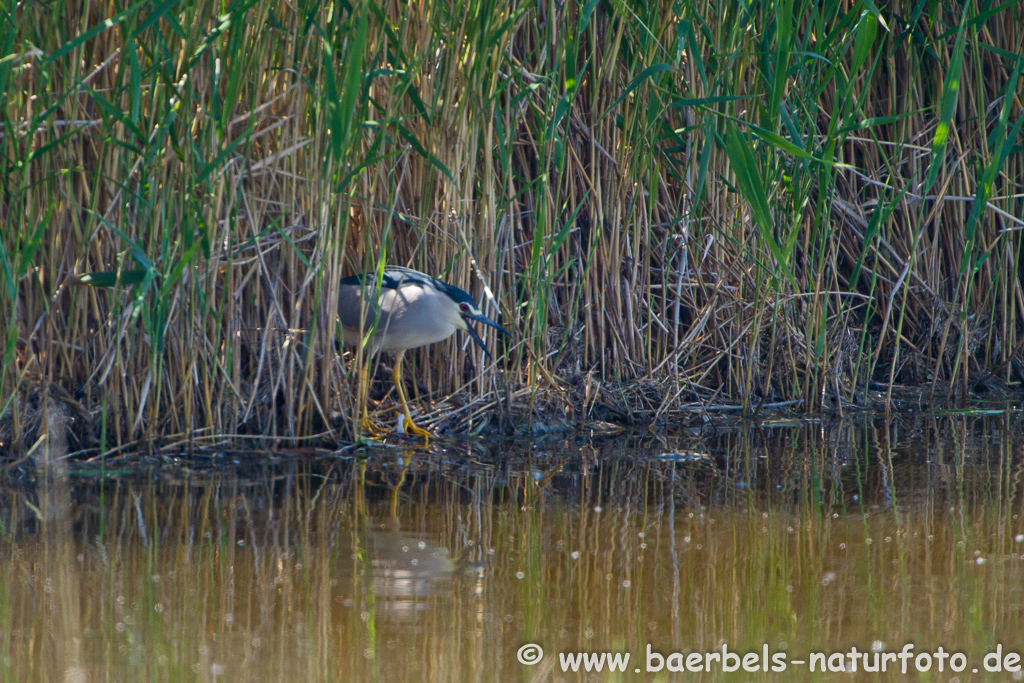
x=413, y=566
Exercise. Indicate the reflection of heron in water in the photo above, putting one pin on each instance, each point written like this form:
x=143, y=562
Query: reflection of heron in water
x=407, y=565
x=403, y=573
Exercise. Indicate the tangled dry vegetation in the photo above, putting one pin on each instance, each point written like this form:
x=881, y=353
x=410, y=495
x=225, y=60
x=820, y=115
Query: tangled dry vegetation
x=676, y=206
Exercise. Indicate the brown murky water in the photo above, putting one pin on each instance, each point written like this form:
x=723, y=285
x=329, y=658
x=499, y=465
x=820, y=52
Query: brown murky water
x=799, y=540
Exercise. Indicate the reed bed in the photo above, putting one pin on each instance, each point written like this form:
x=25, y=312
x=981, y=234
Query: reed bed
x=670, y=203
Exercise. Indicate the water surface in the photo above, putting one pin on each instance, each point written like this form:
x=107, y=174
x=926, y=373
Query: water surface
x=790, y=538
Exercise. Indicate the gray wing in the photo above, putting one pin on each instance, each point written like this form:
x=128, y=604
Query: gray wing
x=355, y=302
x=394, y=290
x=406, y=316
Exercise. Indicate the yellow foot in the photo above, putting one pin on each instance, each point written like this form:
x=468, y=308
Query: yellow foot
x=369, y=427
x=407, y=426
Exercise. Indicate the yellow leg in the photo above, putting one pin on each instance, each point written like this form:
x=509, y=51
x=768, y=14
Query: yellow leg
x=396, y=376
x=366, y=425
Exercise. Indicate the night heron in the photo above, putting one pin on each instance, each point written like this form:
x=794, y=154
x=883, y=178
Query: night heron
x=407, y=310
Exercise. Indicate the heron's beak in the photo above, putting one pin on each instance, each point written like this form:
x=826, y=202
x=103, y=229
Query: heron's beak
x=486, y=321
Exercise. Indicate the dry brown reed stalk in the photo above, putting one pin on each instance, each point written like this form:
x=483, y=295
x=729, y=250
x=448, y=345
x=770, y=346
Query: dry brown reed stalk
x=670, y=203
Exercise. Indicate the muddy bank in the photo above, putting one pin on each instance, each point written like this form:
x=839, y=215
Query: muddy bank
x=46, y=421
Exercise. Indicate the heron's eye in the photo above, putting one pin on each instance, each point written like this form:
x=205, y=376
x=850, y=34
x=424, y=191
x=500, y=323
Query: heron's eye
x=463, y=307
